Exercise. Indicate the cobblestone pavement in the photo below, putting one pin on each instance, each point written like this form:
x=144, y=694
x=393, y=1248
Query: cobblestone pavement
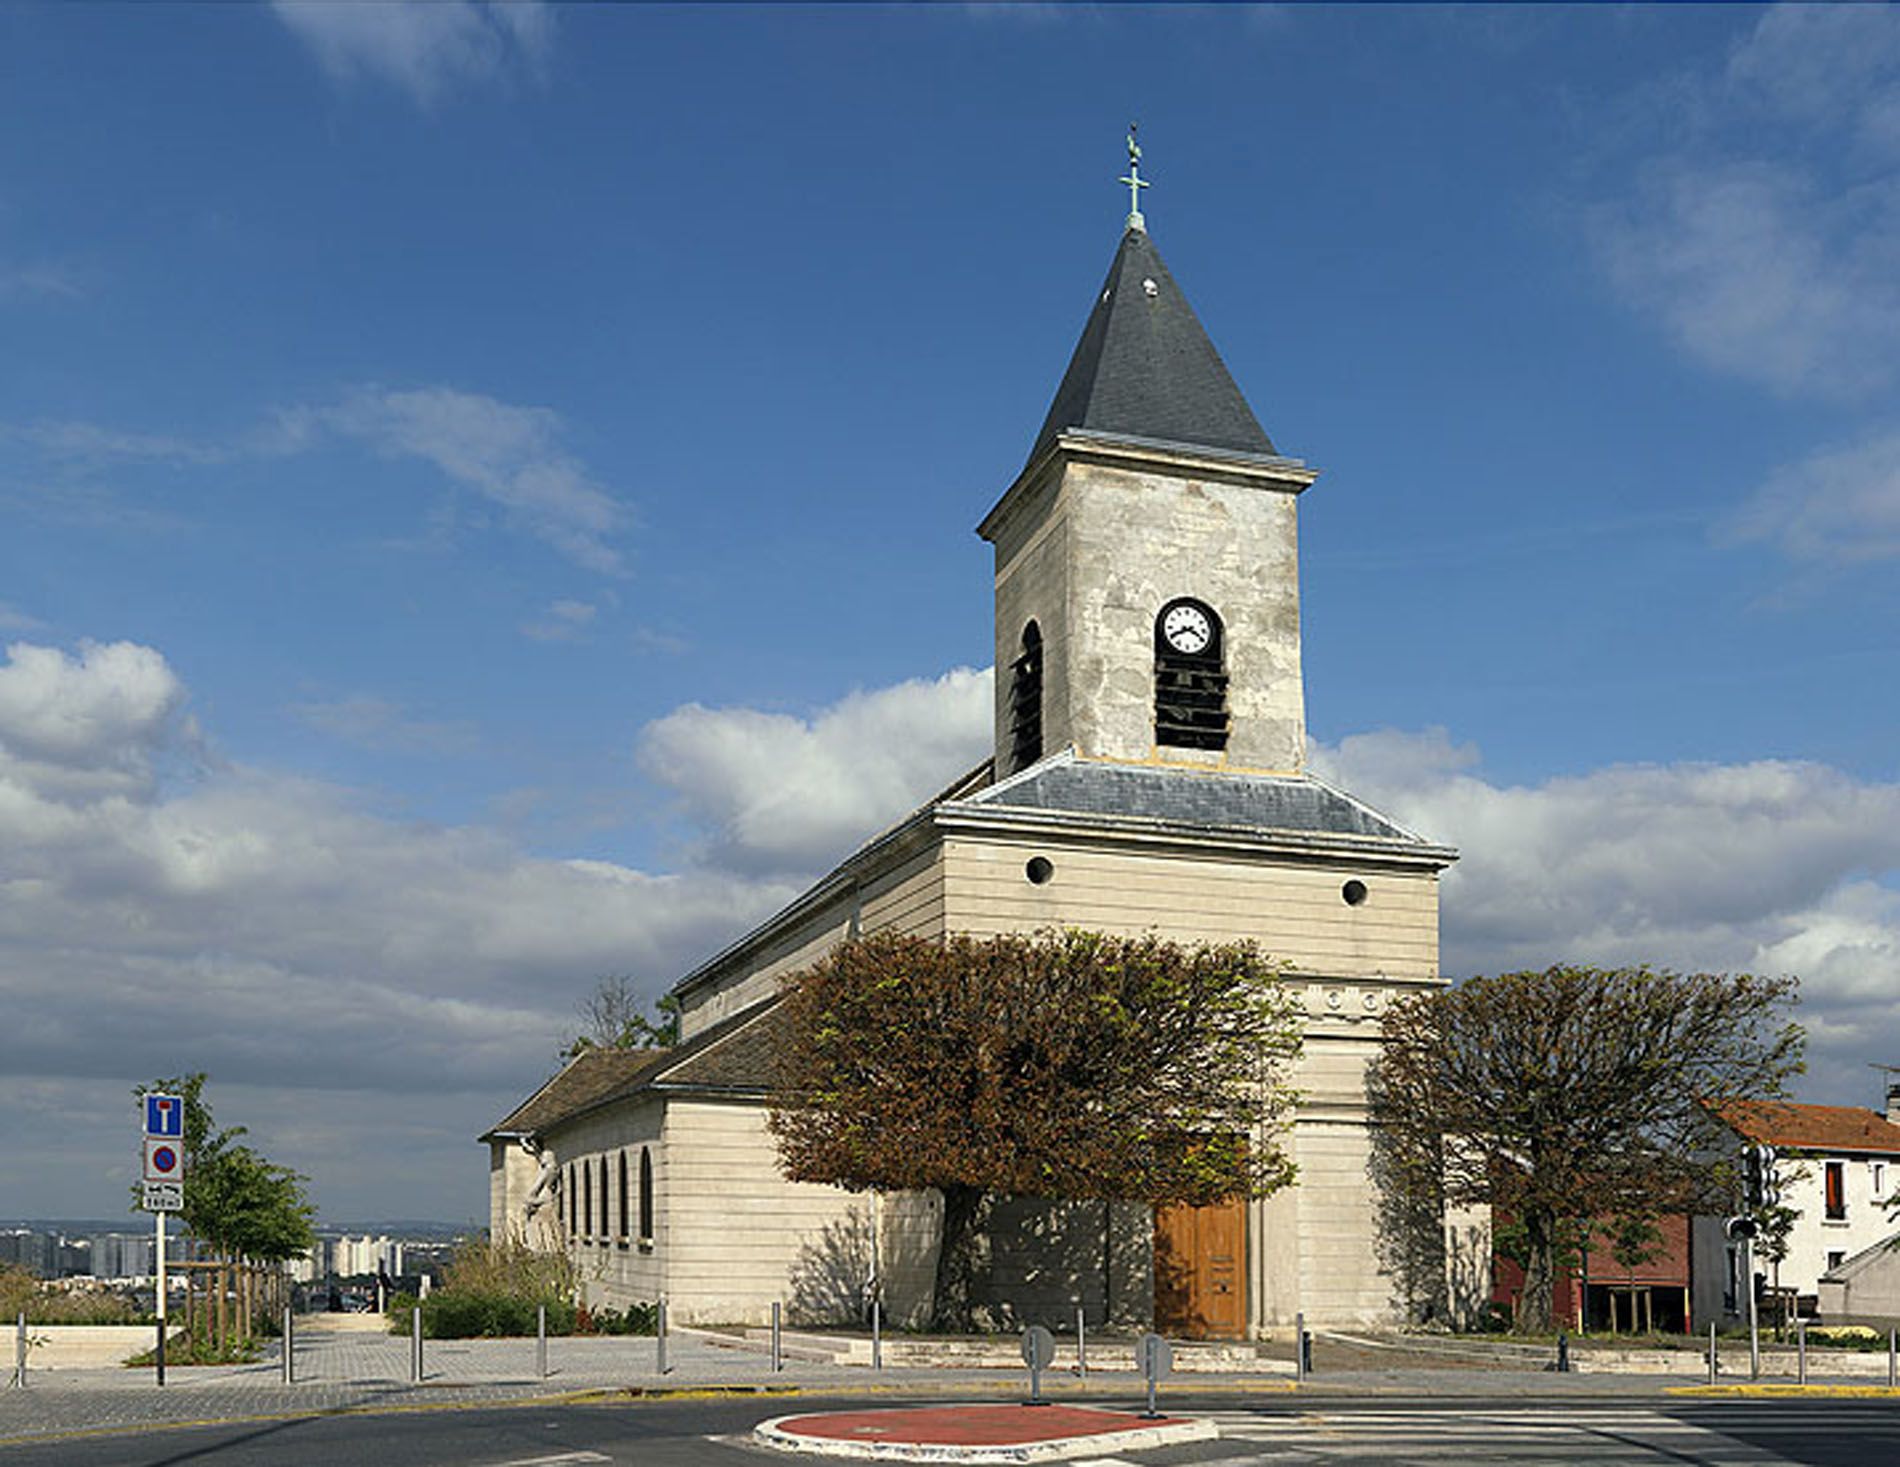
x=354, y=1370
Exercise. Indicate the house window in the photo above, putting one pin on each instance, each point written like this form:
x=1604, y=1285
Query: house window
x=1835, y=1258
x=623, y=1199
x=1190, y=680
x=573, y=1203
x=1836, y=1190
x=606, y=1225
x=646, y=1197
x=587, y=1200
x=1025, y=701
x=1878, y=1171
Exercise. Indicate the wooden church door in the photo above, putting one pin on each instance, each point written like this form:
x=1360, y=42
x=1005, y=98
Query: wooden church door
x=1201, y=1271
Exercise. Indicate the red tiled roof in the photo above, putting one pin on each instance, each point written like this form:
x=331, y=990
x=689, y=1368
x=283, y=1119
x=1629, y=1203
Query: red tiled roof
x=1812, y=1127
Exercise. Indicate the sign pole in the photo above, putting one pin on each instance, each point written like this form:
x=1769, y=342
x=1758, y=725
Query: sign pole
x=1754, y=1320
x=158, y=1220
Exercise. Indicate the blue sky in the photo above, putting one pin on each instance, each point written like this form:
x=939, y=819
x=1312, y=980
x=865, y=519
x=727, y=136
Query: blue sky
x=486, y=495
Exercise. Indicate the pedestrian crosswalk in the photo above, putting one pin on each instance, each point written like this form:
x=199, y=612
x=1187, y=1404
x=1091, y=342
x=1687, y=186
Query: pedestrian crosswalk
x=1537, y=1434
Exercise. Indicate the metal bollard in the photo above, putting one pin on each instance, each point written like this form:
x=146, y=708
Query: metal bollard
x=659, y=1338
x=877, y=1333
x=1801, y=1350
x=1893, y=1357
x=778, y=1358
x=19, y=1351
x=541, y=1340
x=415, y=1344
x=1563, y=1353
x=1711, y=1352
x=290, y=1345
x=1081, y=1342
x=1301, y=1358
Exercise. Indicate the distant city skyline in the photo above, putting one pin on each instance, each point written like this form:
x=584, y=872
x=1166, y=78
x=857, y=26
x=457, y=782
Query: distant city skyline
x=486, y=498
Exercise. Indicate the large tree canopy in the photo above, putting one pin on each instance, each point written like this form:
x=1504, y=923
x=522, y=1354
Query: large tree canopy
x=1065, y=1065
x=1573, y=1094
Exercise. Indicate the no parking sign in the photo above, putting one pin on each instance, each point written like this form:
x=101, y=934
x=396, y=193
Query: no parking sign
x=164, y=1160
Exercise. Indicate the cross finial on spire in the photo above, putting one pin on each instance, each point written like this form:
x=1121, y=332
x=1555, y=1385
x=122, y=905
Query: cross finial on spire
x=1136, y=183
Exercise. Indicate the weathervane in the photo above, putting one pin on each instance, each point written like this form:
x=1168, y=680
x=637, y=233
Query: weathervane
x=1136, y=183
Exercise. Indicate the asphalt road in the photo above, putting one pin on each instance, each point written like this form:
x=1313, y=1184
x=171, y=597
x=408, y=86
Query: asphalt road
x=708, y=1433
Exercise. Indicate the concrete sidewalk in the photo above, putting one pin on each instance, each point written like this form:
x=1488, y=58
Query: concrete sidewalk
x=342, y=1368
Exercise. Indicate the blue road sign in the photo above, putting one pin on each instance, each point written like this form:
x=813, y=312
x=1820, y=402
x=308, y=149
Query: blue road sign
x=164, y=1115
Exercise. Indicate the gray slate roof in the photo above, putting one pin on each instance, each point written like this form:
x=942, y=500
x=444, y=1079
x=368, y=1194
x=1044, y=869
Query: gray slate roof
x=1145, y=369
x=588, y=1079
x=1181, y=797
x=733, y=1054
x=741, y=1062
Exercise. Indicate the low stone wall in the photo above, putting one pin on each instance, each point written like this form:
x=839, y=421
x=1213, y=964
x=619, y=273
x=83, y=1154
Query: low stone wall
x=78, y=1346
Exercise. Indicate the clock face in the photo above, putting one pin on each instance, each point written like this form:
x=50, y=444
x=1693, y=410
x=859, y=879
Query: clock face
x=1187, y=629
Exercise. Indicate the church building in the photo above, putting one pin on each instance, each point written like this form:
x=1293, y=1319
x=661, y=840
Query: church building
x=1148, y=774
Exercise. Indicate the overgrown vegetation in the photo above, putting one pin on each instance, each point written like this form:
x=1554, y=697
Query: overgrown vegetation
x=494, y=1290
x=48, y=1303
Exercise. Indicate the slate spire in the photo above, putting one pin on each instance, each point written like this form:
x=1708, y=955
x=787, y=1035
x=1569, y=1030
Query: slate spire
x=1144, y=368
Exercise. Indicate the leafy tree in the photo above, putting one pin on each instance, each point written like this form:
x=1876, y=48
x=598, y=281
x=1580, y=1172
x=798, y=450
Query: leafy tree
x=615, y=1017
x=1576, y=1093
x=1066, y=1065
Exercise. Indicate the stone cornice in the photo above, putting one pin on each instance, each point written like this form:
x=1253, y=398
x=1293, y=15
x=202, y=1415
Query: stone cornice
x=1147, y=455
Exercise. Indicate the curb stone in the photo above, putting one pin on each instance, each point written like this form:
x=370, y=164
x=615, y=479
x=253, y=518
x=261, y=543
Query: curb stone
x=777, y=1435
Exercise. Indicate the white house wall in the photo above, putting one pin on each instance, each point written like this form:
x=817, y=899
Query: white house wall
x=739, y=1236
x=908, y=897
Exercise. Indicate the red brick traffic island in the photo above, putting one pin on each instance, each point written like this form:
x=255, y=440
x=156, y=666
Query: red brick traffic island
x=978, y=1433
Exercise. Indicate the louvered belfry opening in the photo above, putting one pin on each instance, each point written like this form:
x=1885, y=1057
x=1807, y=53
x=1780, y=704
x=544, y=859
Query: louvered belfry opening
x=1190, y=687
x=1025, y=701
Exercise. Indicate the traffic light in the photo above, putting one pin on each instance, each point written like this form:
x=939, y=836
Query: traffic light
x=1753, y=1181
x=1739, y=1227
x=1770, y=1181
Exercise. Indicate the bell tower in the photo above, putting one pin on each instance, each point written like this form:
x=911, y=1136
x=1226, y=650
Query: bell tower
x=1147, y=557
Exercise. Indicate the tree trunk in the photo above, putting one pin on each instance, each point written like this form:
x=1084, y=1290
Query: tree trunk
x=966, y=1213
x=1533, y=1303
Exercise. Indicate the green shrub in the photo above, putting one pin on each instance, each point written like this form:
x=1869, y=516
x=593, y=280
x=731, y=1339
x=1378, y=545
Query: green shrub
x=183, y=1349
x=493, y=1290
x=635, y=1319
x=460, y=1314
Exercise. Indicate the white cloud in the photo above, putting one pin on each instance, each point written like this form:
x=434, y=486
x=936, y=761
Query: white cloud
x=37, y=282
x=776, y=792
x=1767, y=238
x=562, y=621
x=1837, y=505
x=93, y=446
x=12, y=619
x=85, y=725
x=1770, y=866
x=422, y=48
x=272, y=931
x=1833, y=67
x=378, y=723
x=509, y=455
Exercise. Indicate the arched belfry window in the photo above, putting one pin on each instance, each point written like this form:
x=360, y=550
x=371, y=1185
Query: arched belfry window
x=1190, y=677
x=1025, y=701
x=646, y=1196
